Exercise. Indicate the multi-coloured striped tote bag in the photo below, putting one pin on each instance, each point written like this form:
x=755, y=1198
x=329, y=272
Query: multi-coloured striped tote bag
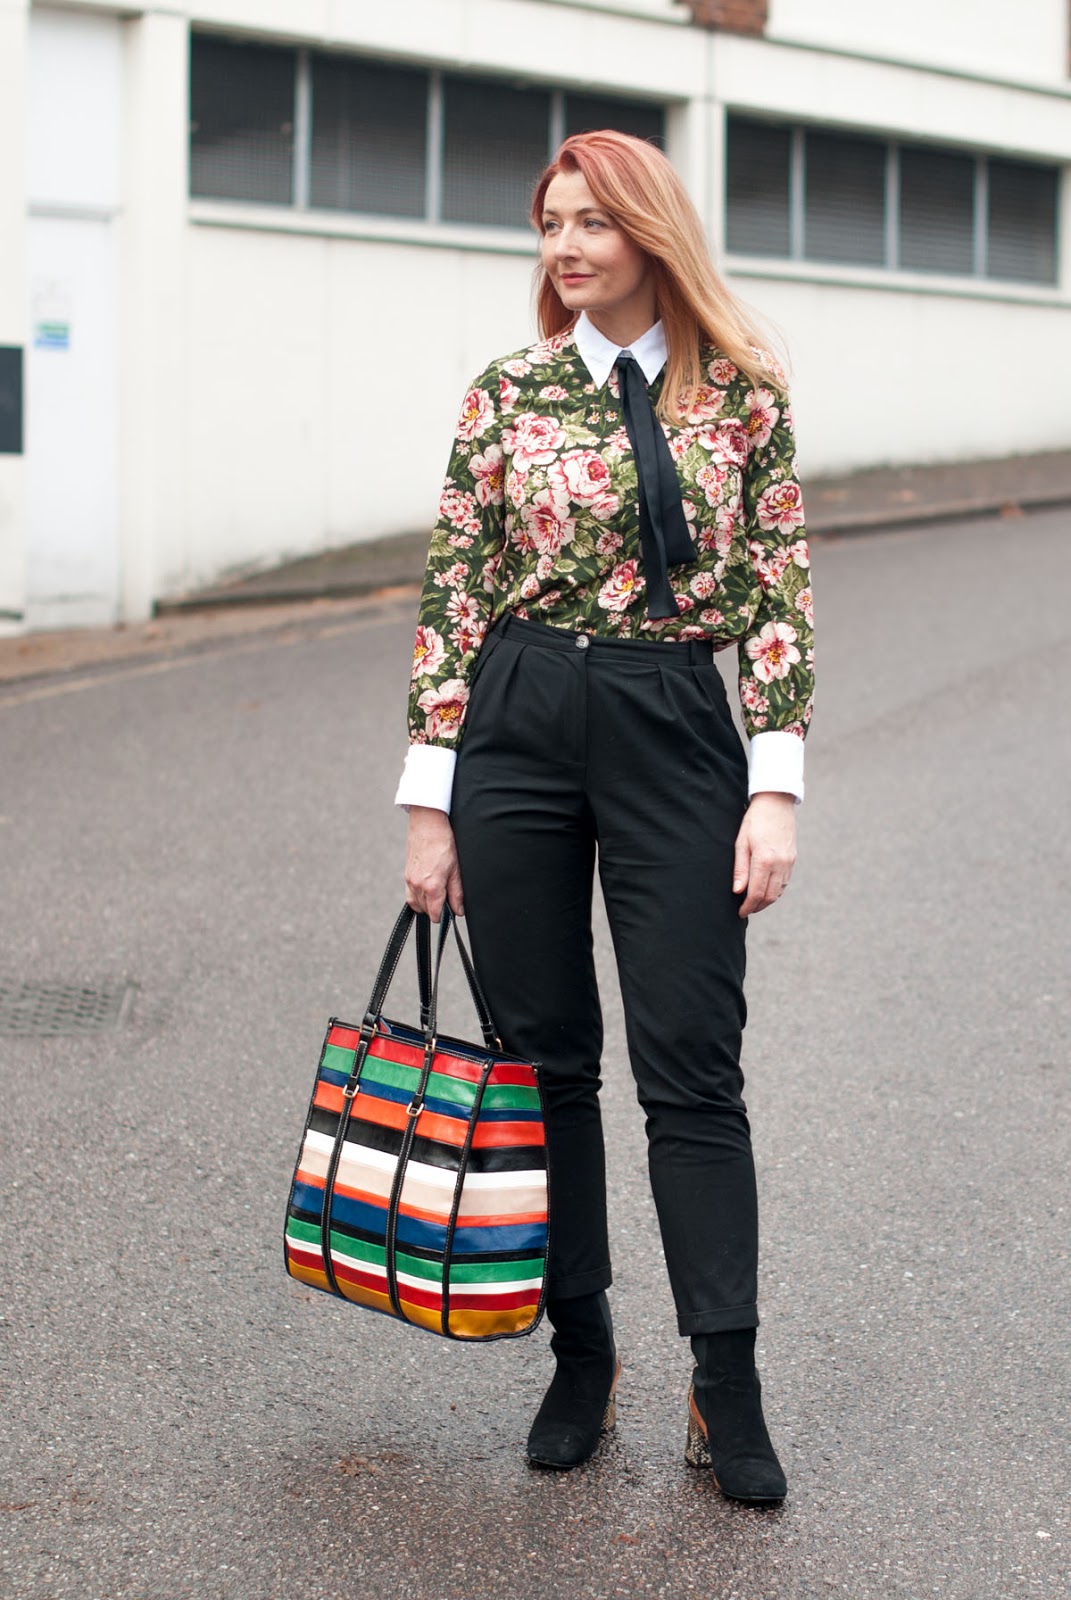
x=421, y=1182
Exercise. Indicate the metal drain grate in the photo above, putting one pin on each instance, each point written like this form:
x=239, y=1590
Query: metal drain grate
x=48, y=1009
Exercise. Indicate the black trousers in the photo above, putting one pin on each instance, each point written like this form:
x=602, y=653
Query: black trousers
x=577, y=748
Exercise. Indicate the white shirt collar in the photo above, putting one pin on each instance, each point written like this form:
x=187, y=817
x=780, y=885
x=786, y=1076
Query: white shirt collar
x=599, y=355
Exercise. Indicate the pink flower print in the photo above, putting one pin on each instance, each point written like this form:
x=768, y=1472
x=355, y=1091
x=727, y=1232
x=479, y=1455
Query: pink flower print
x=508, y=394
x=719, y=536
x=462, y=607
x=489, y=470
x=703, y=585
x=490, y=572
x=516, y=487
x=681, y=442
x=805, y=605
x=468, y=636
x=429, y=653
x=535, y=440
x=548, y=522
x=459, y=509
x=551, y=598
x=553, y=391
x=517, y=369
x=617, y=443
x=762, y=416
x=711, y=479
x=608, y=544
x=620, y=587
x=722, y=371
x=544, y=568
x=580, y=475
x=780, y=507
x=605, y=507
x=445, y=708
x=726, y=440
x=530, y=587
x=752, y=697
x=453, y=577
x=707, y=403
x=799, y=553
x=477, y=415
x=712, y=617
x=773, y=650
x=547, y=349
x=769, y=564
x=460, y=541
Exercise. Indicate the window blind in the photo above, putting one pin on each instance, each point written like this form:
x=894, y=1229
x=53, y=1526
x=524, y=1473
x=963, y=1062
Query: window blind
x=844, y=201
x=241, y=121
x=937, y=198
x=757, y=188
x=584, y=113
x=1022, y=222
x=495, y=144
x=369, y=137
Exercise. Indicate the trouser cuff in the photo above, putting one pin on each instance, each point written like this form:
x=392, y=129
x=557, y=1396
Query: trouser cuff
x=723, y=1321
x=580, y=1283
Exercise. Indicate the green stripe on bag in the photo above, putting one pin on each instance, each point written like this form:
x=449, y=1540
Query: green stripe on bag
x=338, y=1060
x=494, y=1271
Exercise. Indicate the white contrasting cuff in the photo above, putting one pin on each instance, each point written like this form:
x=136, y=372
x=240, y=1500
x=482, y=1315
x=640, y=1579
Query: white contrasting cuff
x=427, y=777
x=775, y=762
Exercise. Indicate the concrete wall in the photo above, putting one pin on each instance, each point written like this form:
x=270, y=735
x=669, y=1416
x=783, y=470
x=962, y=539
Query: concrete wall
x=1024, y=42
x=267, y=361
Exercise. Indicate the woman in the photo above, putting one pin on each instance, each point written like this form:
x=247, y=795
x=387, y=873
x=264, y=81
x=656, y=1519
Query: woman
x=606, y=525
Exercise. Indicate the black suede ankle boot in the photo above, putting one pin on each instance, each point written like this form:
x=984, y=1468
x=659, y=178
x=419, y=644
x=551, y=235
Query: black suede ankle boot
x=726, y=1429
x=579, y=1405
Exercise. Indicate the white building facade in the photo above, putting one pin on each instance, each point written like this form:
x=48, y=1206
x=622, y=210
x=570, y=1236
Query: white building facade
x=231, y=232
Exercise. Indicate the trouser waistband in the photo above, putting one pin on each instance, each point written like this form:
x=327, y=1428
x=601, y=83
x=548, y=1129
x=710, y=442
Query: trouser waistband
x=684, y=652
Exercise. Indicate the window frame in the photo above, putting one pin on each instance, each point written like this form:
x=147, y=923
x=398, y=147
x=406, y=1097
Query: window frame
x=299, y=213
x=891, y=272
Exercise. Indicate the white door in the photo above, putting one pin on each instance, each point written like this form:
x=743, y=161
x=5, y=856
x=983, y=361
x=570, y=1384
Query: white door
x=72, y=495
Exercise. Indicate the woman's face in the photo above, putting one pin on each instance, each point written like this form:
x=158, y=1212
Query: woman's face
x=592, y=262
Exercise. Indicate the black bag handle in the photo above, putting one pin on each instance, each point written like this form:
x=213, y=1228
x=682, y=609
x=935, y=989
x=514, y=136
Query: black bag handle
x=428, y=974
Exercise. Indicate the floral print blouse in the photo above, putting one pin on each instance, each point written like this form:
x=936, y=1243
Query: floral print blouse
x=539, y=517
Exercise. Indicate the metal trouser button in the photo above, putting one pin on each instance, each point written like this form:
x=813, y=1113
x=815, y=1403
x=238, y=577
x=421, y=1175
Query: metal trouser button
x=582, y=641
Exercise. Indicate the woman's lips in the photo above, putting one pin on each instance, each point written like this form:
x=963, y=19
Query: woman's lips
x=576, y=277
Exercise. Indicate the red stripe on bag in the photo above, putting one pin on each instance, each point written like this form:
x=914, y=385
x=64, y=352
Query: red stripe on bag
x=442, y=1130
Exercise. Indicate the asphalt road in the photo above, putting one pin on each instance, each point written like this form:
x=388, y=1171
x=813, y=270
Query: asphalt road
x=180, y=1420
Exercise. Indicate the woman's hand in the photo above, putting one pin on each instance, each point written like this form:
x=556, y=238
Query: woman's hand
x=765, y=850
x=432, y=874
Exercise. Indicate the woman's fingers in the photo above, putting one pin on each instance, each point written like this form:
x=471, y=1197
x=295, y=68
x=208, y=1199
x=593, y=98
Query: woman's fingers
x=767, y=844
x=432, y=874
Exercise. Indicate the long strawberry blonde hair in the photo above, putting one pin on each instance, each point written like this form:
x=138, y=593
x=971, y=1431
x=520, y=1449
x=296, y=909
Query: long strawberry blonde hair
x=633, y=181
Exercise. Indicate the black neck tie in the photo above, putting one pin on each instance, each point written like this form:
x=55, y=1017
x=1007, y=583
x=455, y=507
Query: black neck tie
x=664, y=537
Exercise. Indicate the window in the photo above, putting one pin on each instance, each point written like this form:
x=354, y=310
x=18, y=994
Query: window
x=345, y=133
x=812, y=195
x=242, y=121
x=369, y=137
x=495, y=144
x=584, y=113
x=758, y=188
x=844, y=205
x=1022, y=222
x=937, y=211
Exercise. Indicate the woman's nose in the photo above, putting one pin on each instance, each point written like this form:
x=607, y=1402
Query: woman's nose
x=564, y=243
